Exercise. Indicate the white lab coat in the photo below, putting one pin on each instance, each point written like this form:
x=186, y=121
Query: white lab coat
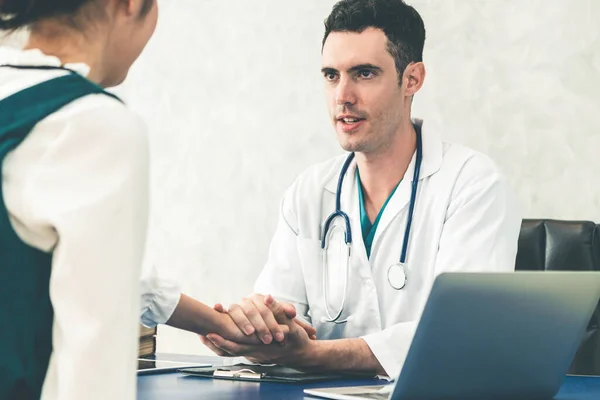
x=466, y=219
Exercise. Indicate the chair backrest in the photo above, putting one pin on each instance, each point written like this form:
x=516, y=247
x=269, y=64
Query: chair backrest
x=566, y=246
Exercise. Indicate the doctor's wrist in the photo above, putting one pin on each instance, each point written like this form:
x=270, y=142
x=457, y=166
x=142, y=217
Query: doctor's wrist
x=348, y=355
x=311, y=355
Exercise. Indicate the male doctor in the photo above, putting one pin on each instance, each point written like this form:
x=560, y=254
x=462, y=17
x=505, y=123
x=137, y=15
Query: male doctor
x=417, y=206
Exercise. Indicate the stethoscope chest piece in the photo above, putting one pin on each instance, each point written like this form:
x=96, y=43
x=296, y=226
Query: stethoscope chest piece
x=397, y=275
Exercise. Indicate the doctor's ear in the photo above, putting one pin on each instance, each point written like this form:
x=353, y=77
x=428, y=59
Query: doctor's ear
x=413, y=78
x=138, y=8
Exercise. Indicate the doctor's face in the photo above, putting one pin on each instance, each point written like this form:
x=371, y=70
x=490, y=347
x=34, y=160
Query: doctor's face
x=362, y=91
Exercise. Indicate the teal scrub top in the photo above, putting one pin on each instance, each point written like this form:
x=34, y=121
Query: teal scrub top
x=368, y=228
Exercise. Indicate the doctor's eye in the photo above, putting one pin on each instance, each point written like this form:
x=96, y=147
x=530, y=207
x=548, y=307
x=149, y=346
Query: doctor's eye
x=366, y=74
x=330, y=75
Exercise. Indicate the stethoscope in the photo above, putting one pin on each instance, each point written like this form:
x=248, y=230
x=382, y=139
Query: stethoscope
x=396, y=273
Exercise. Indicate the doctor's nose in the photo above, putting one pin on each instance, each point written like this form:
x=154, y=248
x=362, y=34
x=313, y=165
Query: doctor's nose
x=345, y=94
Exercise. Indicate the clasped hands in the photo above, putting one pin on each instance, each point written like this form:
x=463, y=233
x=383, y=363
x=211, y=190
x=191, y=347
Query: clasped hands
x=264, y=331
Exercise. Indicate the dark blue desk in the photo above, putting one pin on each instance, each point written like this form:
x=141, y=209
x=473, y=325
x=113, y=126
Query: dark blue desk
x=174, y=386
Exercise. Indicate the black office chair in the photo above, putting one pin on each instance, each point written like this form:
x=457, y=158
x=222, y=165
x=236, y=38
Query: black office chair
x=566, y=245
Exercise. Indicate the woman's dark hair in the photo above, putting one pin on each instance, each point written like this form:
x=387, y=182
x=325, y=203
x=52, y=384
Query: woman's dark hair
x=16, y=14
x=401, y=24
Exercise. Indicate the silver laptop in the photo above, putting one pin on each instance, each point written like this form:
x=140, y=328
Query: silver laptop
x=491, y=336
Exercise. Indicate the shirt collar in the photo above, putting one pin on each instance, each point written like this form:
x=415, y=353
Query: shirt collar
x=36, y=57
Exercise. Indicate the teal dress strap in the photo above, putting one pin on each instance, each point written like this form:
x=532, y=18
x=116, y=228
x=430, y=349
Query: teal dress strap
x=26, y=311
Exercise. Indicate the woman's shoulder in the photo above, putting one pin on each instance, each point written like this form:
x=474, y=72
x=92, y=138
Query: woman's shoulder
x=100, y=114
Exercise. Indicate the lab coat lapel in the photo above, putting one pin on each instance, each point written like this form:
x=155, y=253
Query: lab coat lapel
x=399, y=201
x=398, y=204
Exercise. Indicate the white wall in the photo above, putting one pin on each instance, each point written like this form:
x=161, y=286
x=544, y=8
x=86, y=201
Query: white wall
x=232, y=94
x=520, y=81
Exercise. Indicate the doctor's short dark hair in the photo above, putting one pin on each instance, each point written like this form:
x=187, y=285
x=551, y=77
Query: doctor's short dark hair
x=17, y=14
x=401, y=23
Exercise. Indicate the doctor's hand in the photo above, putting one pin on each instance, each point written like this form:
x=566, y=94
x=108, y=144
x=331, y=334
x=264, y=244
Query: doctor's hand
x=226, y=328
x=295, y=350
x=261, y=315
